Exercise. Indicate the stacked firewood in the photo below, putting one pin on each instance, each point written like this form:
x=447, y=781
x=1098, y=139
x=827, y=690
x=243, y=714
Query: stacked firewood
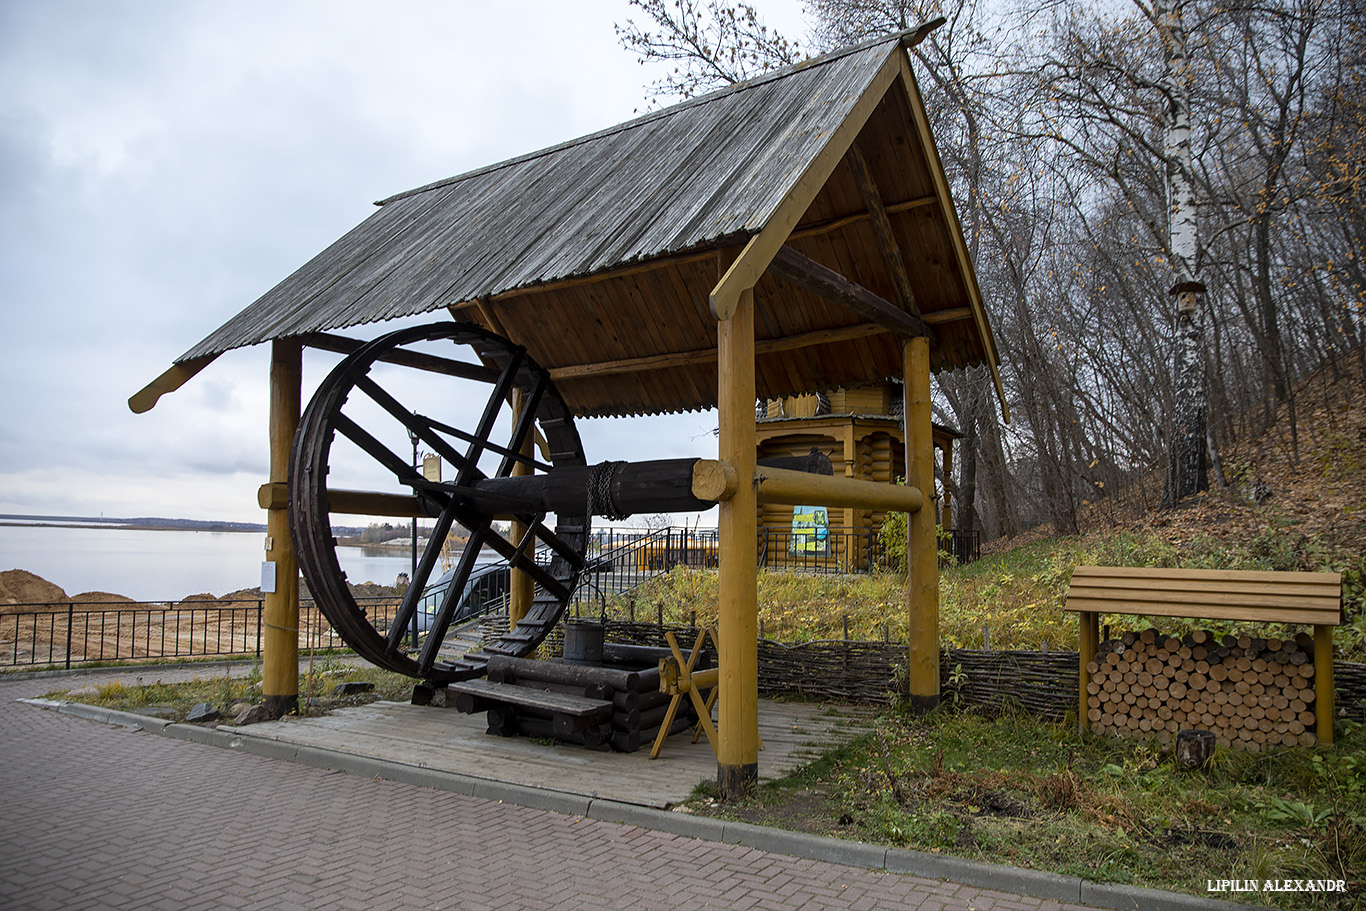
x=1252, y=693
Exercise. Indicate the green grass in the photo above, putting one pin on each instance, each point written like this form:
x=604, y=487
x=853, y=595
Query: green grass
x=316, y=681
x=1012, y=789
x=1016, y=596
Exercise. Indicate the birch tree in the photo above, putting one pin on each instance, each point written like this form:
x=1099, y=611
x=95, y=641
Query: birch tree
x=1187, y=468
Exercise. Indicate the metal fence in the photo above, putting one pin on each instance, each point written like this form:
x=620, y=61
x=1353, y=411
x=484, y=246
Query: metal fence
x=69, y=633
x=962, y=546
x=824, y=550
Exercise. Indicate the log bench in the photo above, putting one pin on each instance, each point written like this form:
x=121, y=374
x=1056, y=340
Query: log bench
x=569, y=714
x=1311, y=599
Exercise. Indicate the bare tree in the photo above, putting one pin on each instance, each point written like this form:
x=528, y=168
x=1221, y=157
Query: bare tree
x=708, y=44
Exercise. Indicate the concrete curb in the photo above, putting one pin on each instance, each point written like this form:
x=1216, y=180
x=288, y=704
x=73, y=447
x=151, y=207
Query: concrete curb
x=997, y=877
x=7, y=676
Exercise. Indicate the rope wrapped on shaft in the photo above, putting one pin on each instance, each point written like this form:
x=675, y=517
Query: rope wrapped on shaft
x=601, y=502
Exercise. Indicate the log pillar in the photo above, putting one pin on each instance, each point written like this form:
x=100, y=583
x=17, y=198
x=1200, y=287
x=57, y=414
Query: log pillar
x=1324, y=708
x=946, y=513
x=922, y=544
x=1088, y=645
x=280, y=615
x=737, y=753
x=521, y=587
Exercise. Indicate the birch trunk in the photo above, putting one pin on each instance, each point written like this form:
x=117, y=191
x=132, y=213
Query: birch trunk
x=1187, y=472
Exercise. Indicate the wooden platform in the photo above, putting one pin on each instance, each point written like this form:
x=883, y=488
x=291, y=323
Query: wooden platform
x=439, y=738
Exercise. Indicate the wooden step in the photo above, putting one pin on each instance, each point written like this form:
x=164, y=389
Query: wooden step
x=542, y=700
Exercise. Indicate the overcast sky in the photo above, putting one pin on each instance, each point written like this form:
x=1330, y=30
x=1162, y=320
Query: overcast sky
x=163, y=164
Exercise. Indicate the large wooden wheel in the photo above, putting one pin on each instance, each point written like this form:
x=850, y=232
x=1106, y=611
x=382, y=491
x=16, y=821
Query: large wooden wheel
x=360, y=425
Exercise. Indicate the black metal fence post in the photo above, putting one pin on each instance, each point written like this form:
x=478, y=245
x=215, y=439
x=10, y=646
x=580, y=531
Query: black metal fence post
x=70, y=614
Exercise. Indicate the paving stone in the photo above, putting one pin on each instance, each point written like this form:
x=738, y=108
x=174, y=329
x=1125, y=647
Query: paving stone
x=267, y=833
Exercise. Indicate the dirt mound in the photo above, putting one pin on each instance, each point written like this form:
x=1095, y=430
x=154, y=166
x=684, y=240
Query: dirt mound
x=244, y=594
x=21, y=587
x=195, y=599
x=97, y=597
x=370, y=590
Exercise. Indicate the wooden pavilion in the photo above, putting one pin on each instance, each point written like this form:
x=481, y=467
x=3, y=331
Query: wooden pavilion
x=789, y=234
x=860, y=431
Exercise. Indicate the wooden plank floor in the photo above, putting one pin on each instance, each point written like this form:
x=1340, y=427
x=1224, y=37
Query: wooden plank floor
x=444, y=739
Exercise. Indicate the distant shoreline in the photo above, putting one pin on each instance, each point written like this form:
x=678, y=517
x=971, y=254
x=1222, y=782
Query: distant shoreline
x=119, y=526
x=138, y=524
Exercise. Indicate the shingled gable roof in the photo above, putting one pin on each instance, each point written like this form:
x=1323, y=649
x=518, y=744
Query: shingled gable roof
x=599, y=254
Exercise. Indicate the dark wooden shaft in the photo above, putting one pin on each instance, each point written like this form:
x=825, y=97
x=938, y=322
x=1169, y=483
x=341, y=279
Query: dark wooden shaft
x=636, y=487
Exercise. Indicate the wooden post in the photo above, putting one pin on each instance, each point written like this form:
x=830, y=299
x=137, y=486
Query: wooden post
x=947, y=511
x=1324, y=708
x=280, y=617
x=850, y=514
x=922, y=545
x=521, y=587
x=1088, y=645
x=737, y=753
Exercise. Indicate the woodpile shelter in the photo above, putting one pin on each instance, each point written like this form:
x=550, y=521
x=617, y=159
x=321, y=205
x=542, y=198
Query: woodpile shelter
x=790, y=234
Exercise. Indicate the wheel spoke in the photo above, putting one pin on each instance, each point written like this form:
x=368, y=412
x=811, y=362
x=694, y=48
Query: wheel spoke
x=491, y=447
x=377, y=450
x=491, y=410
x=525, y=422
x=527, y=564
x=413, y=596
x=571, y=554
x=415, y=423
x=441, y=622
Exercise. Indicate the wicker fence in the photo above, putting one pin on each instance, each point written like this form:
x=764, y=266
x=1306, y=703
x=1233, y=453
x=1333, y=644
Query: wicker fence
x=1041, y=683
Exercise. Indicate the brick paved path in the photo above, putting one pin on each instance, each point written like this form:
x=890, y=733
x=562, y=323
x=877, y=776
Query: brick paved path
x=94, y=816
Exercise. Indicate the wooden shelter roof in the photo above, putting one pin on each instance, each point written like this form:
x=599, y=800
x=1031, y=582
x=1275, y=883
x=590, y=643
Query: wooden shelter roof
x=602, y=255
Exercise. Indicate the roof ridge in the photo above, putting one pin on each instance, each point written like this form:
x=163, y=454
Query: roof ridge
x=911, y=36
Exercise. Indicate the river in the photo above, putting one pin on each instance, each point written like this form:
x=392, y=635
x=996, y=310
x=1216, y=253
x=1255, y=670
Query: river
x=164, y=565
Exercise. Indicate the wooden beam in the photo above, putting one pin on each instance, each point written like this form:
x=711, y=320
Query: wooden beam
x=804, y=271
x=171, y=379
x=778, y=485
x=952, y=315
x=745, y=271
x=521, y=585
x=817, y=228
x=707, y=355
x=882, y=227
x=960, y=250
x=1088, y=647
x=372, y=503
